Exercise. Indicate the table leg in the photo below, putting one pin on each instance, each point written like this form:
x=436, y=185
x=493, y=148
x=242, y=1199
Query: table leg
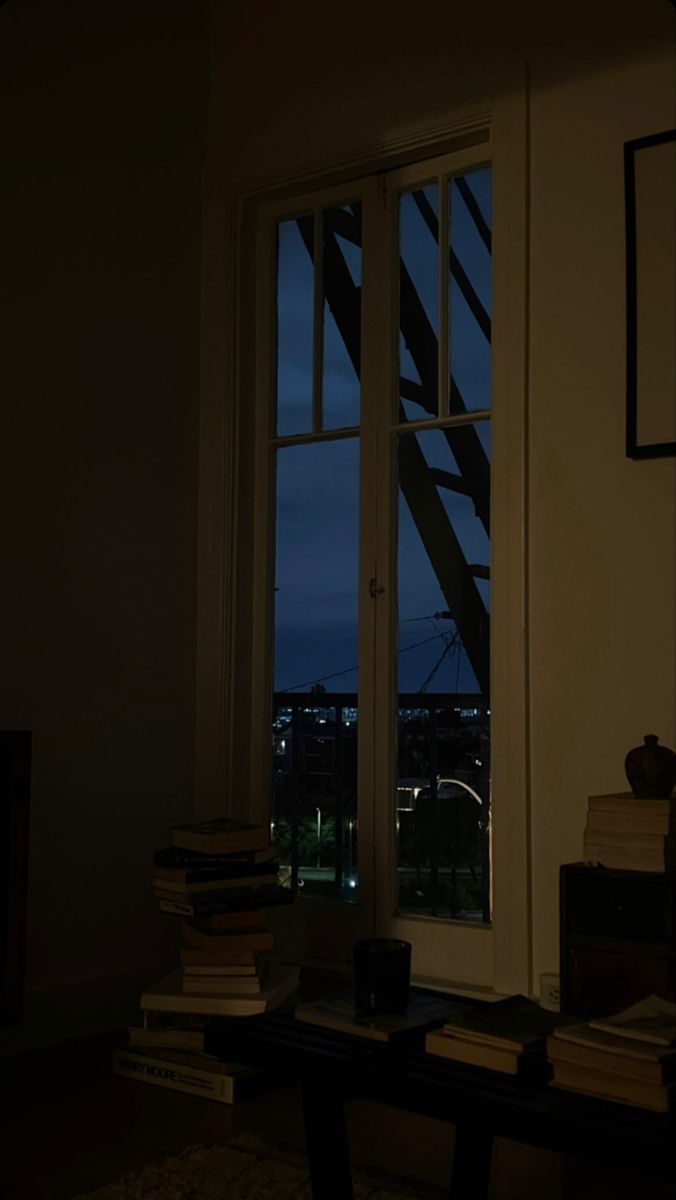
x=327, y=1147
x=471, y=1172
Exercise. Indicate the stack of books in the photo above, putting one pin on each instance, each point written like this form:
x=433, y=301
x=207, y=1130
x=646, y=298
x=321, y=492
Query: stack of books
x=220, y=876
x=629, y=1058
x=631, y=834
x=509, y=1036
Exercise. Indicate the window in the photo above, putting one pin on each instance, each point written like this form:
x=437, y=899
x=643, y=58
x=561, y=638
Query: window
x=371, y=708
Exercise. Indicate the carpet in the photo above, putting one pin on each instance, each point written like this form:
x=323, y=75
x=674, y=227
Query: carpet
x=246, y=1168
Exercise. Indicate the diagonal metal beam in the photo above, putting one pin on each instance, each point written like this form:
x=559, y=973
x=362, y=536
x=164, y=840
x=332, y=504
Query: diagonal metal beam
x=419, y=490
x=421, y=343
x=457, y=270
x=482, y=227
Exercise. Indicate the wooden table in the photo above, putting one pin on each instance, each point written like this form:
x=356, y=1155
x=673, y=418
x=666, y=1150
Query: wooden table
x=333, y=1067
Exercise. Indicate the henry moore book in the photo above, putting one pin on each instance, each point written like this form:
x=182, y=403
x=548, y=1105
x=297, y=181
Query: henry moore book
x=424, y=1012
x=208, y=1078
x=168, y=995
x=220, y=836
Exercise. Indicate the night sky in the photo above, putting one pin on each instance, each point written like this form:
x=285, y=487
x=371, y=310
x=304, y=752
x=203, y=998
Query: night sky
x=317, y=484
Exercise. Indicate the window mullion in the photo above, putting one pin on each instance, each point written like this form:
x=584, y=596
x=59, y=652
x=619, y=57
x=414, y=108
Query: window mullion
x=318, y=321
x=443, y=364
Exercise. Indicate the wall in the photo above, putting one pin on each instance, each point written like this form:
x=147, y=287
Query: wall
x=602, y=527
x=104, y=112
x=602, y=589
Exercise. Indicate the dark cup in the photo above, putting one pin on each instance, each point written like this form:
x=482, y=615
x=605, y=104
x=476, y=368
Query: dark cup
x=382, y=975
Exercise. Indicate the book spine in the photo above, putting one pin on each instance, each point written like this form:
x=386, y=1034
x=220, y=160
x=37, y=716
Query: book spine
x=628, y=805
x=637, y=826
x=197, y=908
x=171, y=1075
x=233, y=885
x=620, y=860
x=203, y=875
x=174, y=856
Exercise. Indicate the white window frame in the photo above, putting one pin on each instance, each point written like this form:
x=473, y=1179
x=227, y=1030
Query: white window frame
x=498, y=958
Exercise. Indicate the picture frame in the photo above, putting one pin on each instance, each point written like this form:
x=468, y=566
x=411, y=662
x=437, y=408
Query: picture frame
x=650, y=227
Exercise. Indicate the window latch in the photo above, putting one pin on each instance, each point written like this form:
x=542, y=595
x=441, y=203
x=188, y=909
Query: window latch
x=374, y=589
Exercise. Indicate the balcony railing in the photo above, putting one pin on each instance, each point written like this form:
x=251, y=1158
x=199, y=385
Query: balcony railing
x=440, y=812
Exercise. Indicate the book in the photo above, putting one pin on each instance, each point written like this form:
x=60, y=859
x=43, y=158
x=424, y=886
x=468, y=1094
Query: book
x=235, y=947
x=629, y=804
x=197, y=962
x=580, y=1046
x=651, y=1020
x=214, y=902
x=214, y=883
x=168, y=996
x=164, y=1038
x=475, y=1054
x=516, y=1023
x=630, y=822
x=608, y=1086
x=223, y=985
x=179, y=1031
x=221, y=1081
x=173, y=857
x=638, y=841
x=238, y=921
x=628, y=858
x=220, y=836
x=339, y=1013
x=185, y=876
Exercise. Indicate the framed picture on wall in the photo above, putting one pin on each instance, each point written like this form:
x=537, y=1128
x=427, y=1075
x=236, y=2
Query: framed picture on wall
x=650, y=208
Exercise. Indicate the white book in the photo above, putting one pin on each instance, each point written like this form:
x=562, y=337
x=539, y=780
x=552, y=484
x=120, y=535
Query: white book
x=165, y=1070
x=168, y=995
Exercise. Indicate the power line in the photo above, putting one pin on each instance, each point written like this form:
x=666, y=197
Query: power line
x=348, y=671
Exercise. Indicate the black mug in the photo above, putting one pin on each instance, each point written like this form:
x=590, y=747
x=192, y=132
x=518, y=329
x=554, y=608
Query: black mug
x=382, y=975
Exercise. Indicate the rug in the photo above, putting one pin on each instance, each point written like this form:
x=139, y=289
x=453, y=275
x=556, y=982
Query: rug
x=246, y=1168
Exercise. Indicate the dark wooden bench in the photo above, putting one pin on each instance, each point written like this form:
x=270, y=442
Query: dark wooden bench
x=332, y=1068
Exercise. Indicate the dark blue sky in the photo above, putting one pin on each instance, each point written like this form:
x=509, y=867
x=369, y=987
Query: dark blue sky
x=317, y=484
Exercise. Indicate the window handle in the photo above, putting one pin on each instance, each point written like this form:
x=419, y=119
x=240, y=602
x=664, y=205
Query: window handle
x=374, y=589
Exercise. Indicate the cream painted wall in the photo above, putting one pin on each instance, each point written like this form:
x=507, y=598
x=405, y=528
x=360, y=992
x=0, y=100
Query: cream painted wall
x=602, y=527
x=298, y=96
x=101, y=141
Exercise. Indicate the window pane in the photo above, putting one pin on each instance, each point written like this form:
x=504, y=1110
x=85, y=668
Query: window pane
x=442, y=816
x=342, y=317
x=315, y=703
x=418, y=302
x=469, y=297
x=295, y=299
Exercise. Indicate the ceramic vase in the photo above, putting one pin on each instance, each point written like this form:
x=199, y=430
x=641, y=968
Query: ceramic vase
x=651, y=769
